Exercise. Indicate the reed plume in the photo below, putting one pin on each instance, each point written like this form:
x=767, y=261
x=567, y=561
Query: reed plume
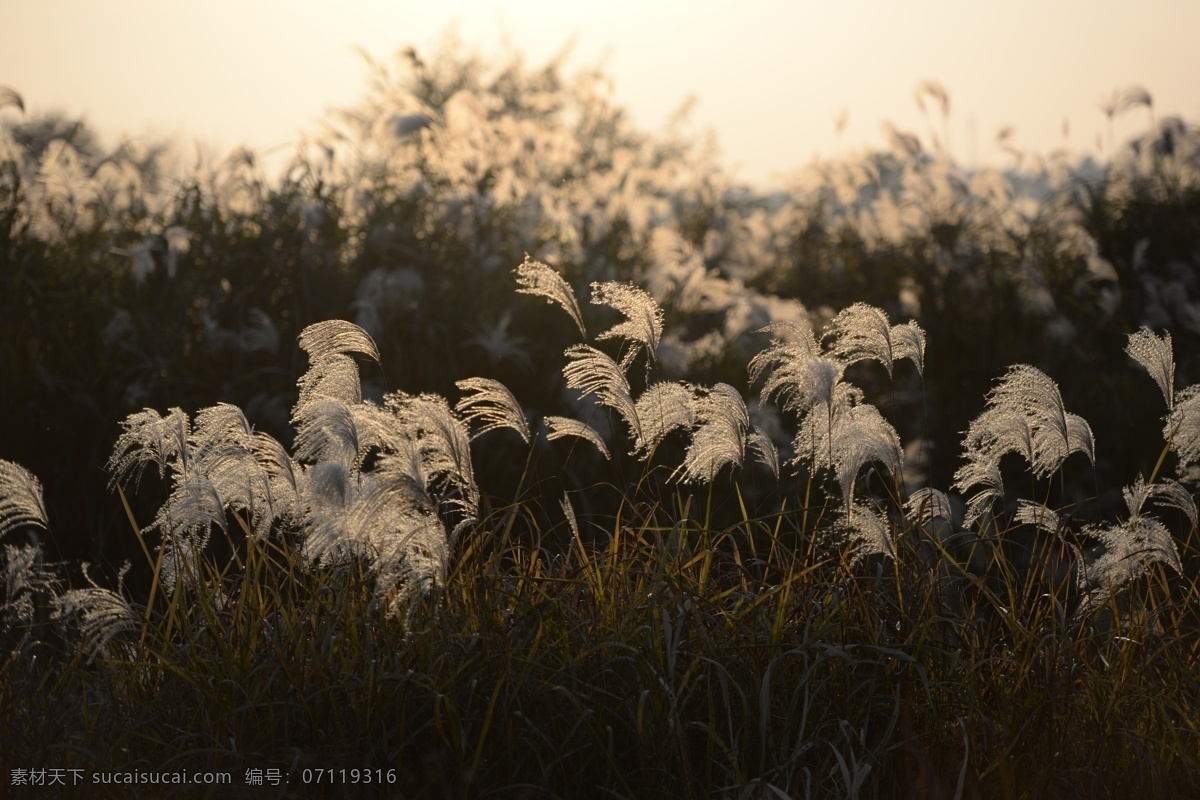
x=863, y=332
x=593, y=372
x=492, y=404
x=1157, y=357
x=1132, y=546
x=719, y=439
x=643, y=325
x=21, y=502
x=540, y=280
x=662, y=408
x=558, y=427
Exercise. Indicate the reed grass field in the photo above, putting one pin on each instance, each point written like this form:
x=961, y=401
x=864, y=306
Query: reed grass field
x=498, y=448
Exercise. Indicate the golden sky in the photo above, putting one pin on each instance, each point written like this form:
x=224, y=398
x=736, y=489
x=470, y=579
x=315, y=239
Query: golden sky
x=770, y=78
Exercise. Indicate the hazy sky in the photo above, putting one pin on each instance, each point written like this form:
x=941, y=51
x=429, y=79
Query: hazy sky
x=770, y=78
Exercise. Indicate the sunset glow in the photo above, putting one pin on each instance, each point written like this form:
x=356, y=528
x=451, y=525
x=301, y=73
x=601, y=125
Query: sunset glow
x=770, y=79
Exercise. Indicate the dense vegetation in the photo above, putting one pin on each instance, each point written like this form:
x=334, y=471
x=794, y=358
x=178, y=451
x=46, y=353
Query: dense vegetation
x=792, y=507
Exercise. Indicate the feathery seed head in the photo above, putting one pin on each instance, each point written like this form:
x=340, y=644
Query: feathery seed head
x=1056, y=434
x=538, y=279
x=148, y=437
x=332, y=373
x=999, y=431
x=861, y=435
x=593, y=372
x=491, y=403
x=335, y=376
x=1130, y=548
x=1037, y=514
x=1155, y=355
x=861, y=332
x=799, y=379
x=643, y=325
x=444, y=443
x=101, y=614
x=1165, y=492
x=218, y=427
x=10, y=97
x=908, y=341
x=1182, y=428
x=928, y=504
x=25, y=583
x=935, y=91
x=795, y=333
x=984, y=471
x=662, y=408
x=768, y=453
x=867, y=531
x=720, y=434
x=21, y=501
x=559, y=427
x=326, y=431
x=391, y=522
x=336, y=337
x=569, y=513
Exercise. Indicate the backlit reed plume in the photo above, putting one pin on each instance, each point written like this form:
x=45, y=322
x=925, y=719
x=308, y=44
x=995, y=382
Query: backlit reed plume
x=1156, y=356
x=593, y=372
x=147, y=437
x=559, y=427
x=26, y=581
x=1132, y=546
x=719, y=438
x=21, y=500
x=390, y=515
x=852, y=435
x=27, y=584
x=100, y=615
x=837, y=429
x=867, y=532
x=491, y=404
x=662, y=408
x=643, y=325
x=863, y=332
x=793, y=371
x=1038, y=515
x=1182, y=422
x=767, y=452
x=536, y=278
x=1025, y=415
